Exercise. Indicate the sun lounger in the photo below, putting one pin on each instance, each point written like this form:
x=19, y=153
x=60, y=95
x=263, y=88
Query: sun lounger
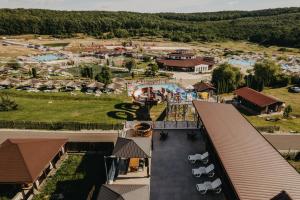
x=210, y=186
x=209, y=170
x=199, y=157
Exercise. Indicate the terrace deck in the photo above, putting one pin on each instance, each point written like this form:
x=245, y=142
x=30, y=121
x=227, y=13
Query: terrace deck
x=171, y=173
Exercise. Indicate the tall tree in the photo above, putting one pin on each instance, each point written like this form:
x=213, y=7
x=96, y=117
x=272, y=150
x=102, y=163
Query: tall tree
x=266, y=71
x=130, y=64
x=33, y=72
x=227, y=78
x=104, y=76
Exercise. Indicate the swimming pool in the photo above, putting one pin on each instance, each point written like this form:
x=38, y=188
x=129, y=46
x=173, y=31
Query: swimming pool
x=242, y=63
x=48, y=57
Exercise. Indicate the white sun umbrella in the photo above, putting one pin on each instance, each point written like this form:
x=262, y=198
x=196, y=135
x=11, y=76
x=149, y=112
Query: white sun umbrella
x=6, y=82
x=190, y=87
x=30, y=82
x=114, y=86
x=71, y=84
x=119, y=80
x=95, y=84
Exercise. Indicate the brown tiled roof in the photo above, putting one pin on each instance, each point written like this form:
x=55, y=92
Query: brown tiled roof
x=201, y=86
x=188, y=63
x=132, y=148
x=254, y=167
x=255, y=97
x=124, y=192
x=22, y=160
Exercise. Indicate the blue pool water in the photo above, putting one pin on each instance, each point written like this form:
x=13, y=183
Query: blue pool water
x=47, y=57
x=242, y=63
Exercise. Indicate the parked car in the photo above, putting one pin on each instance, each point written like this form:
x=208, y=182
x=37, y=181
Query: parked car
x=294, y=89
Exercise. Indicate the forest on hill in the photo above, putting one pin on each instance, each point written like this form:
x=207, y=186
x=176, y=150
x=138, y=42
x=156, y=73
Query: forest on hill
x=268, y=27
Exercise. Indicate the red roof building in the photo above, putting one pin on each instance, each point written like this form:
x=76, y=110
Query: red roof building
x=184, y=61
x=257, y=102
x=22, y=161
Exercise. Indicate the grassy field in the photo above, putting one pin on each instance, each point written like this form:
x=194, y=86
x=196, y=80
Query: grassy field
x=250, y=47
x=75, y=178
x=62, y=107
x=296, y=164
x=289, y=99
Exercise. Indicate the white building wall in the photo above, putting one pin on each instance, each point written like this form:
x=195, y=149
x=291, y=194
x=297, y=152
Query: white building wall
x=201, y=68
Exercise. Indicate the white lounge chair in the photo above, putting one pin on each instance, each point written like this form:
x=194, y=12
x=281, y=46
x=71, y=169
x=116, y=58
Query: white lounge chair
x=209, y=170
x=210, y=186
x=200, y=157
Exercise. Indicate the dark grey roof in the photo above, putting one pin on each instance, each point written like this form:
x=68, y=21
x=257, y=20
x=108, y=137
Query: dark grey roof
x=282, y=196
x=124, y=192
x=132, y=148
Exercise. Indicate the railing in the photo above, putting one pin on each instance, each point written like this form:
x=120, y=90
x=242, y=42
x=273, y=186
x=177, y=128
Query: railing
x=165, y=124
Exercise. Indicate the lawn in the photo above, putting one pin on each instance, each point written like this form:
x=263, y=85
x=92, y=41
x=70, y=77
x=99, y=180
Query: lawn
x=75, y=178
x=292, y=99
x=296, y=164
x=250, y=47
x=62, y=107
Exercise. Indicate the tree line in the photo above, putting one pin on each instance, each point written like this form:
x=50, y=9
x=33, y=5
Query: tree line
x=268, y=27
x=266, y=73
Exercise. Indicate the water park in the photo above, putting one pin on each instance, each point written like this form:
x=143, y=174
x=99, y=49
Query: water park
x=157, y=93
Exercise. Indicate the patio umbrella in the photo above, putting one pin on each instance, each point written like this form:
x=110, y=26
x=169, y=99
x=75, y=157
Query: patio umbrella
x=190, y=87
x=6, y=82
x=179, y=90
x=114, y=86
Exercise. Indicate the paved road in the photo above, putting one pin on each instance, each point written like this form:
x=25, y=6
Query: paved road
x=284, y=142
x=74, y=136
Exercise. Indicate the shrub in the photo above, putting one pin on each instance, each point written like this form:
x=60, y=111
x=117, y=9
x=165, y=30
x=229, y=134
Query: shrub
x=287, y=111
x=268, y=129
x=6, y=104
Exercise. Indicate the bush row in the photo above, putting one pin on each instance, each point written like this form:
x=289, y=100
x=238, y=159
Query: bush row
x=76, y=126
x=268, y=129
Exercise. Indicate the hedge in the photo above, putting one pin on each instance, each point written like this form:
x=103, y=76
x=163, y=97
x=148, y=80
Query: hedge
x=268, y=129
x=76, y=126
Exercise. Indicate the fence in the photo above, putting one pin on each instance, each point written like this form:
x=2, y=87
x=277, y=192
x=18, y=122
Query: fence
x=75, y=126
x=166, y=124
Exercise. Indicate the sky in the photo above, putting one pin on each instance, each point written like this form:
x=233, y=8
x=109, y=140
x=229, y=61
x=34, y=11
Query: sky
x=150, y=5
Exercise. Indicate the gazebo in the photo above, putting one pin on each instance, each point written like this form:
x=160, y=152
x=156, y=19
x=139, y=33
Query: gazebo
x=130, y=154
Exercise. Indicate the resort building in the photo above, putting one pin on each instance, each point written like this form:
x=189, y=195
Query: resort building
x=250, y=165
x=182, y=60
x=25, y=163
x=205, y=89
x=257, y=102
